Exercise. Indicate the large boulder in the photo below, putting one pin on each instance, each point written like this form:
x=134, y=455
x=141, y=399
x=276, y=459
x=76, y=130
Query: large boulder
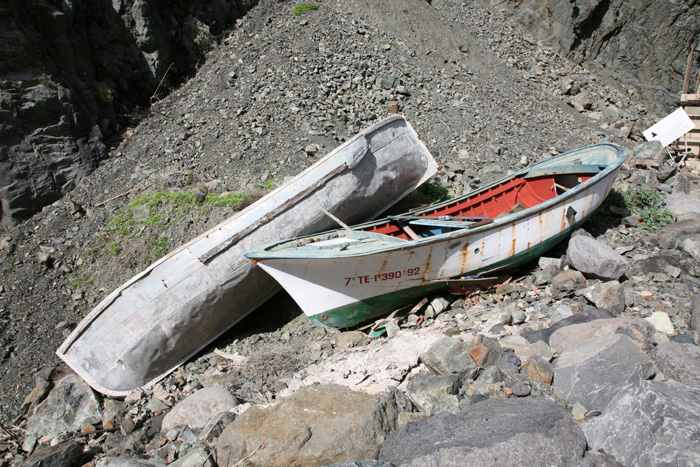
x=503, y=432
x=678, y=361
x=679, y=203
x=66, y=454
x=670, y=235
x=318, y=425
x=592, y=372
x=650, y=423
x=608, y=295
x=449, y=356
x=639, y=330
x=70, y=406
x=587, y=313
x=200, y=407
x=595, y=259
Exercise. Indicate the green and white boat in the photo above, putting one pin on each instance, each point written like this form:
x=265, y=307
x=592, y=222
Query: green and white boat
x=343, y=277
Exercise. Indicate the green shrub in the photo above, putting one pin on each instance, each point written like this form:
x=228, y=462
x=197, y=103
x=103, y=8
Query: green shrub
x=434, y=191
x=304, y=8
x=646, y=204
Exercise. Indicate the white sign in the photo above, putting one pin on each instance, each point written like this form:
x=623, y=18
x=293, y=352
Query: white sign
x=670, y=128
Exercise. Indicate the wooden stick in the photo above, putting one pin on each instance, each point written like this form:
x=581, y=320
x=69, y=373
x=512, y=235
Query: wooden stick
x=122, y=194
x=237, y=359
x=340, y=223
x=409, y=231
x=687, y=70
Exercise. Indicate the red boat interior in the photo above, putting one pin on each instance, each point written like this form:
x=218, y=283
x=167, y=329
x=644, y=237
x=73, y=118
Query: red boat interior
x=482, y=207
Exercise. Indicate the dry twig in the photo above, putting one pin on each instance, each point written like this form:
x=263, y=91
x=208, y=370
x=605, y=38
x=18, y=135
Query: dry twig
x=247, y=458
x=161, y=82
x=123, y=194
x=237, y=359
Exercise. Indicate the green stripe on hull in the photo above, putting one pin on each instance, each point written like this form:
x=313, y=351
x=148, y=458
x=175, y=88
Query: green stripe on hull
x=364, y=310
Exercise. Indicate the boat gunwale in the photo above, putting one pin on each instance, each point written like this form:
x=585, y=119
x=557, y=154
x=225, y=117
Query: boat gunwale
x=264, y=253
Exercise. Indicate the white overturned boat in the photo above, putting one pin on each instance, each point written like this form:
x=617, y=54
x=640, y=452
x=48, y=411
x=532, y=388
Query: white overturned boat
x=167, y=313
x=343, y=277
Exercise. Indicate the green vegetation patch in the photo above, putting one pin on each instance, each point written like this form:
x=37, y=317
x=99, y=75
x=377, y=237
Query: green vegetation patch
x=79, y=281
x=434, y=191
x=105, y=92
x=304, y=8
x=645, y=203
x=146, y=217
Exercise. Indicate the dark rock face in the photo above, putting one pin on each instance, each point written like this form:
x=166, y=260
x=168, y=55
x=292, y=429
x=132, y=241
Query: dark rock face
x=493, y=432
x=624, y=36
x=649, y=423
x=75, y=73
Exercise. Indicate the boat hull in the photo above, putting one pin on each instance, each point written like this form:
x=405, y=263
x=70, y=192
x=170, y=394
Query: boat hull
x=181, y=303
x=341, y=290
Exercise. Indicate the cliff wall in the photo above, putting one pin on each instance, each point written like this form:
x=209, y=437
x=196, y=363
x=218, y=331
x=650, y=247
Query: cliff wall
x=642, y=42
x=76, y=73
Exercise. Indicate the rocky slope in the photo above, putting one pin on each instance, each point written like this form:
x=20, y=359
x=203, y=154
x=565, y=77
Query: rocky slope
x=279, y=92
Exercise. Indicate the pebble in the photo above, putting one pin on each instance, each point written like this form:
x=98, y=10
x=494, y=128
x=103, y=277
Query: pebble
x=662, y=322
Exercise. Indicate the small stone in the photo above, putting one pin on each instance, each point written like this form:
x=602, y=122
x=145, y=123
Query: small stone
x=392, y=107
x=349, y=339
x=662, y=322
x=539, y=370
x=579, y=412
x=545, y=262
x=566, y=283
x=518, y=317
x=519, y=388
x=75, y=208
x=44, y=258
x=188, y=437
x=608, y=295
x=197, y=409
x=439, y=305
x=134, y=396
x=486, y=353
x=660, y=338
x=29, y=443
x=448, y=355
